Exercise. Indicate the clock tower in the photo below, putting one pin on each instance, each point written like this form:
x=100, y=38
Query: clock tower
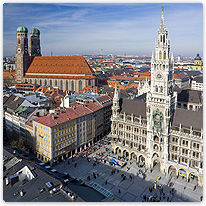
x=160, y=99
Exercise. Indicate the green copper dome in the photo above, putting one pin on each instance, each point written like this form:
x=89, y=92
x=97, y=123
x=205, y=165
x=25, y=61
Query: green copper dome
x=34, y=31
x=22, y=29
x=198, y=57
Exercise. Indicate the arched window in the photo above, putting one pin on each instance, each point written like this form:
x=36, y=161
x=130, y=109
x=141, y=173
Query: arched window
x=30, y=81
x=67, y=85
x=18, y=41
x=161, y=89
x=161, y=38
x=35, y=81
x=164, y=39
x=40, y=82
x=164, y=55
x=55, y=82
x=160, y=55
x=89, y=82
x=80, y=85
x=61, y=85
x=72, y=85
x=45, y=82
x=156, y=89
x=50, y=83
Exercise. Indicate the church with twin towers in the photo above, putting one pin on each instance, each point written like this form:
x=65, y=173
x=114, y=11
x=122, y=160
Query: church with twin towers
x=152, y=130
x=71, y=73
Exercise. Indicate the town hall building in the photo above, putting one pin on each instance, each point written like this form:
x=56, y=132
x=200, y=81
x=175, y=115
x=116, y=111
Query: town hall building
x=152, y=129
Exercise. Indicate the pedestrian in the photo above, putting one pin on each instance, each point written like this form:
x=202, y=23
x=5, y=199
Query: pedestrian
x=105, y=182
x=194, y=188
x=119, y=191
x=97, y=175
x=201, y=197
x=184, y=187
x=168, y=199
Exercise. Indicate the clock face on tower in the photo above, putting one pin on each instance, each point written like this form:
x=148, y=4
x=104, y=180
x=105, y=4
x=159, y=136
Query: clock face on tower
x=19, y=50
x=159, y=76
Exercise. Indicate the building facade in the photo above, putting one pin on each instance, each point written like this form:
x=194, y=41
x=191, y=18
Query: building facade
x=145, y=128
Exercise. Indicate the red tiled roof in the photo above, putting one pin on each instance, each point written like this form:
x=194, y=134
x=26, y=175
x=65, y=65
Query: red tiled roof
x=59, y=77
x=60, y=65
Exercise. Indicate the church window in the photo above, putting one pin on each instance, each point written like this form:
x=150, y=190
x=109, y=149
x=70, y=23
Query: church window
x=40, y=82
x=161, y=38
x=51, y=83
x=89, y=82
x=18, y=41
x=160, y=55
x=45, y=82
x=55, y=82
x=31, y=42
x=80, y=85
x=61, y=85
x=164, y=39
x=35, y=81
x=66, y=84
x=30, y=81
x=72, y=85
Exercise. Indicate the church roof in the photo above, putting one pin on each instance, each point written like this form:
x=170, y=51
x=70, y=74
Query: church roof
x=60, y=65
x=188, y=118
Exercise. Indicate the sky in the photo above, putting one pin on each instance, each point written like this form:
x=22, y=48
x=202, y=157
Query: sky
x=115, y=28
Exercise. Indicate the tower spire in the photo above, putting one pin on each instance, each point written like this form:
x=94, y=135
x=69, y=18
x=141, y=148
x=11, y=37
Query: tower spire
x=162, y=25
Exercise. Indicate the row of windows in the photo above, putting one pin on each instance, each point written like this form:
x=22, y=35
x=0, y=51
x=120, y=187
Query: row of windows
x=64, y=144
x=50, y=82
x=63, y=126
x=61, y=133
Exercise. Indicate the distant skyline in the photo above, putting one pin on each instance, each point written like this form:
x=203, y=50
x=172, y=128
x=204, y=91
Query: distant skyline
x=80, y=29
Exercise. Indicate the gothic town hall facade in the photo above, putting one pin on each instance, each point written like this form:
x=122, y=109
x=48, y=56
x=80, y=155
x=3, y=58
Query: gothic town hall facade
x=152, y=129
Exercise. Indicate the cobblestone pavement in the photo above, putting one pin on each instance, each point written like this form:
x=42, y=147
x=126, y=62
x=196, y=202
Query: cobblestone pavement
x=131, y=189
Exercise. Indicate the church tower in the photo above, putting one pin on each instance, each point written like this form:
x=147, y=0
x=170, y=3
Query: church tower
x=22, y=56
x=34, y=46
x=160, y=100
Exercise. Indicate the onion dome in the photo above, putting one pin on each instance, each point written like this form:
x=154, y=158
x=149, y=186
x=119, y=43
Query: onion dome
x=198, y=57
x=22, y=29
x=34, y=31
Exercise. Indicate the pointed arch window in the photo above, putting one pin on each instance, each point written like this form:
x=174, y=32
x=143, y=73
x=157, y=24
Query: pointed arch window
x=45, y=82
x=156, y=89
x=35, y=81
x=51, y=83
x=164, y=54
x=55, y=82
x=40, y=82
x=161, y=89
x=163, y=39
x=160, y=55
x=61, y=85
x=30, y=81
x=80, y=85
x=89, y=82
x=72, y=85
x=67, y=85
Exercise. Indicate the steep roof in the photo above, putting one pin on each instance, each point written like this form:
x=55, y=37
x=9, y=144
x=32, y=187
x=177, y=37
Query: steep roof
x=64, y=65
x=188, y=118
x=198, y=79
x=133, y=106
x=188, y=95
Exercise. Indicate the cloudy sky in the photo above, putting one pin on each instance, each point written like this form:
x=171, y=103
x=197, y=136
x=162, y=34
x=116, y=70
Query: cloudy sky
x=131, y=29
